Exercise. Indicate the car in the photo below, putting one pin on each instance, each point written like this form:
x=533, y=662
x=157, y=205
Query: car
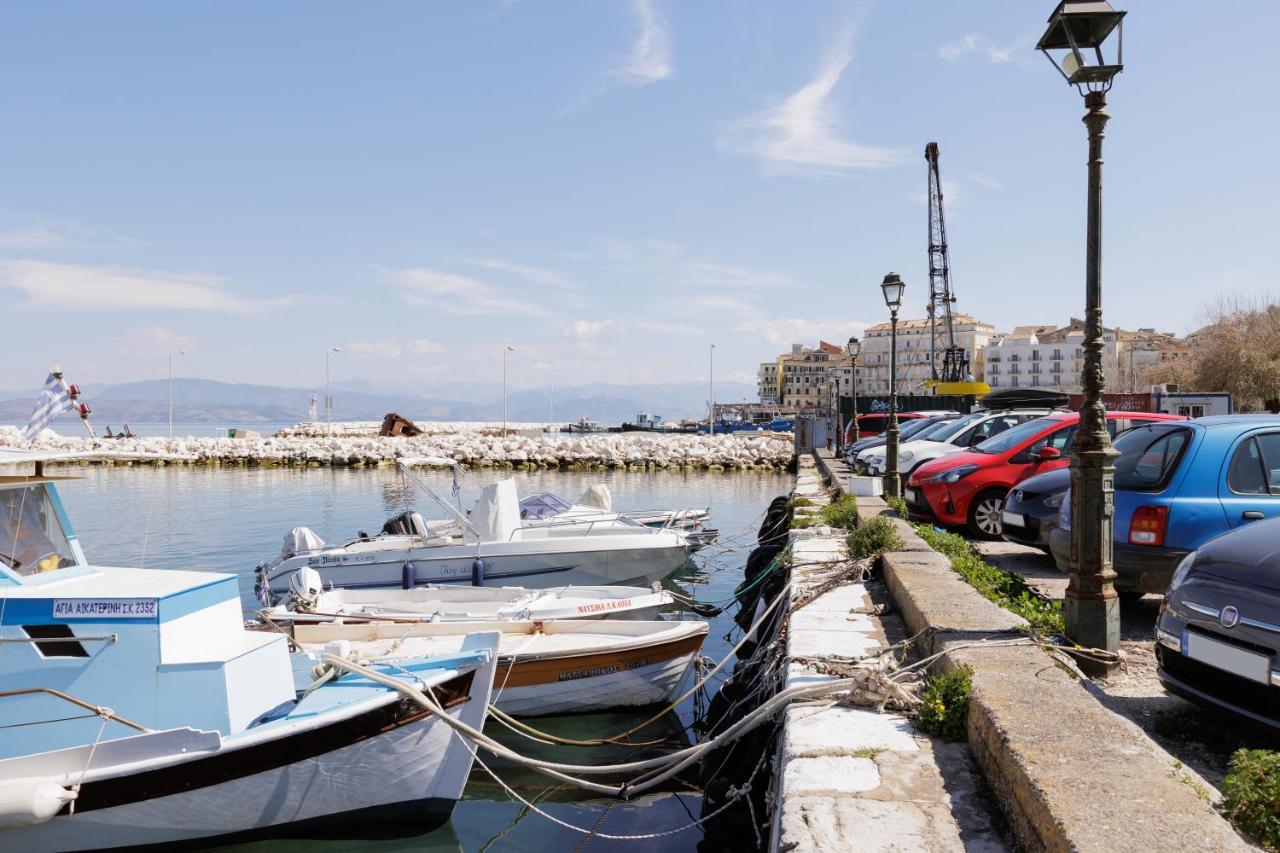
x=1030, y=510
x=1178, y=485
x=912, y=429
x=966, y=432
x=968, y=488
x=1218, y=632
x=874, y=424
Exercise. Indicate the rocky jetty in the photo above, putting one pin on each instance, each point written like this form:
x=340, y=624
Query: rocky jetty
x=473, y=448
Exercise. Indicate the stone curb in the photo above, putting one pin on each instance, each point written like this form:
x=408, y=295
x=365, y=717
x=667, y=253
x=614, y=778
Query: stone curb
x=1069, y=774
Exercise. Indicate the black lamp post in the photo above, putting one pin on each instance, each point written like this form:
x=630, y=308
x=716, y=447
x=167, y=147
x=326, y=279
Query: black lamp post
x=854, y=347
x=1073, y=42
x=892, y=287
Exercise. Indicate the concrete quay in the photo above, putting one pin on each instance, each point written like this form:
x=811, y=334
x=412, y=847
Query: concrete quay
x=852, y=778
x=1068, y=773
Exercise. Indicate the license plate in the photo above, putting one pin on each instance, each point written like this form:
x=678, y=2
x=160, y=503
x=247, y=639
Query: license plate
x=1233, y=659
x=912, y=495
x=1014, y=518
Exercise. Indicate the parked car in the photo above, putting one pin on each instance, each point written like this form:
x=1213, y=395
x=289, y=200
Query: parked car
x=1177, y=486
x=969, y=488
x=912, y=429
x=874, y=424
x=1218, y=633
x=970, y=430
x=1031, y=509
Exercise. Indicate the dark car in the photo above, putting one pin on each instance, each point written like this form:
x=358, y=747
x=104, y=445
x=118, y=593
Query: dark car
x=910, y=429
x=1218, y=634
x=1031, y=509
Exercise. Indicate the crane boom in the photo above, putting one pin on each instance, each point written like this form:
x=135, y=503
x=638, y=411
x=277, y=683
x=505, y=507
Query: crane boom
x=955, y=364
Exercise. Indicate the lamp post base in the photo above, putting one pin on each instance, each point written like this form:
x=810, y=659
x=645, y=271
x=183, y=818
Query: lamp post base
x=1093, y=624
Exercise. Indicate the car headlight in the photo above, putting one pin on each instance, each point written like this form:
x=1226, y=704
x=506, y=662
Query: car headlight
x=953, y=475
x=1054, y=501
x=1180, y=573
x=906, y=456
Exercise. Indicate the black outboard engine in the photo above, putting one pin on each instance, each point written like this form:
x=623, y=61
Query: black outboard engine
x=399, y=525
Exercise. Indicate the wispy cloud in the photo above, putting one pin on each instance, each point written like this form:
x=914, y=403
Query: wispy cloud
x=975, y=45
x=391, y=348
x=802, y=132
x=797, y=330
x=730, y=276
x=157, y=341
x=64, y=235
x=535, y=274
x=986, y=181
x=585, y=332
x=77, y=287
x=650, y=57
x=460, y=295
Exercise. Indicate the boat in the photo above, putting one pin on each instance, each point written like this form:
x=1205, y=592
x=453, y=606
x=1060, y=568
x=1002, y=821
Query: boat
x=553, y=667
x=585, y=425
x=596, y=507
x=487, y=547
x=138, y=710
x=310, y=601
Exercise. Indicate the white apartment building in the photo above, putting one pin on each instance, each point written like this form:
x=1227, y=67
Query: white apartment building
x=1048, y=357
x=805, y=378
x=914, y=353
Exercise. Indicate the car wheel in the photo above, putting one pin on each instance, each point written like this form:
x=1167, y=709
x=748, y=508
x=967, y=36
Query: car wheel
x=984, y=514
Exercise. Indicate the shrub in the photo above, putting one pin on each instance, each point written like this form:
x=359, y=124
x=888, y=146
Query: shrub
x=1251, y=795
x=898, y=505
x=874, y=536
x=946, y=704
x=842, y=512
x=799, y=500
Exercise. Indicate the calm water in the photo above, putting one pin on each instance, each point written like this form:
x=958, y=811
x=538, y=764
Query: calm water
x=230, y=519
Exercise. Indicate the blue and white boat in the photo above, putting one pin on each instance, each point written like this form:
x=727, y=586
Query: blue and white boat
x=136, y=710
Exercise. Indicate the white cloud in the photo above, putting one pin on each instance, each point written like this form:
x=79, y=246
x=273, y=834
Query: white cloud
x=801, y=133
x=64, y=235
x=738, y=305
x=730, y=276
x=973, y=44
x=391, y=348
x=987, y=182
x=77, y=287
x=587, y=331
x=33, y=238
x=535, y=274
x=157, y=341
x=460, y=295
x=650, y=58
x=796, y=330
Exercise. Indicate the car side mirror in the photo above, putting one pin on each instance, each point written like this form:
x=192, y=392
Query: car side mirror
x=1047, y=453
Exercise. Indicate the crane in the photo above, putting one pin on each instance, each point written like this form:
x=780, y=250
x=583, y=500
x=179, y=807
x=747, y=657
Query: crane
x=955, y=364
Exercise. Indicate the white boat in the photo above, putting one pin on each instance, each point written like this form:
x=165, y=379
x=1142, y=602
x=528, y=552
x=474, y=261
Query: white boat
x=492, y=547
x=554, y=667
x=310, y=601
x=137, y=710
x=595, y=507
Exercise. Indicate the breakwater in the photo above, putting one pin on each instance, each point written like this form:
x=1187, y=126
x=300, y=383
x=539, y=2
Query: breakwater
x=474, y=447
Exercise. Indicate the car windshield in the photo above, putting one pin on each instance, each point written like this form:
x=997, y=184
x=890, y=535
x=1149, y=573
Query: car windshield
x=31, y=536
x=933, y=430
x=1012, y=437
x=957, y=427
x=1149, y=455
x=914, y=426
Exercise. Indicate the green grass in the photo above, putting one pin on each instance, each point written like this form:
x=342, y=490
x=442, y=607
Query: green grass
x=799, y=500
x=1251, y=795
x=873, y=537
x=898, y=505
x=946, y=704
x=842, y=512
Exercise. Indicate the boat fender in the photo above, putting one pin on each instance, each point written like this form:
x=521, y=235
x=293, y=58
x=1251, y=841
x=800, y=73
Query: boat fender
x=409, y=575
x=477, y=572
x=27, y=802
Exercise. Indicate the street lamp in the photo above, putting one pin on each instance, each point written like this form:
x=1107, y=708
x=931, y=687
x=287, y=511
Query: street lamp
x=1091, y=612
x=328, y=390
x=508, y=348
x=892, y=288
x=854, y=347
x=171, y=355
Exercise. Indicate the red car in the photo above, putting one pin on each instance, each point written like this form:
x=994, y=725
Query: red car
x=869, y=426
x=968, y=488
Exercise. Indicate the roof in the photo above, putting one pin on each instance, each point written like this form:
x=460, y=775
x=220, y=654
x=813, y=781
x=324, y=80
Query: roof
x=924, y=323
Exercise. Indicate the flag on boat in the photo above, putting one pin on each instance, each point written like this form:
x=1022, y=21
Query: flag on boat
x=54, y=399
x=457, y=488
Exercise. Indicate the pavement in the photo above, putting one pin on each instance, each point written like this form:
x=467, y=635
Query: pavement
x=854, y=777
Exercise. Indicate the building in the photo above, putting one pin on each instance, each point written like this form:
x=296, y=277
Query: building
x=915, y=362
x=805, y=378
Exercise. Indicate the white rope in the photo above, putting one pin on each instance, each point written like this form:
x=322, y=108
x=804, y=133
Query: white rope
x=106, y=714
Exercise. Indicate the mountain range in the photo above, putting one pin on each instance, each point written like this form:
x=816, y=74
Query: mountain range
x=208, y=401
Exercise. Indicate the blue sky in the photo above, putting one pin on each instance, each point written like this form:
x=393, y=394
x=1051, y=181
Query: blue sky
x=606, y=186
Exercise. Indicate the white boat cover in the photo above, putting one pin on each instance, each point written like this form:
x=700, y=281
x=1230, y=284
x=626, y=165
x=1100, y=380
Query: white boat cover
x=300, y=540
x=597, y=497
x=497, y=512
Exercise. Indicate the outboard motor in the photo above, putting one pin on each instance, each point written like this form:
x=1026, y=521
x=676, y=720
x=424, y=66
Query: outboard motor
x=305, y=588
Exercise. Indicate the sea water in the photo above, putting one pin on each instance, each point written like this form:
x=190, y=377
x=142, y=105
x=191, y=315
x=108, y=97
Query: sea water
x=230, y=519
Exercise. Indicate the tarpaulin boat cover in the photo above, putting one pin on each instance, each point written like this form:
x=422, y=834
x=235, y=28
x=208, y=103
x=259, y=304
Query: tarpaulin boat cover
x=300, y=540
x=597, y=497
x=497, y=512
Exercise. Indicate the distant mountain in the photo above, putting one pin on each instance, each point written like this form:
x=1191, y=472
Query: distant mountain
x=207, y=401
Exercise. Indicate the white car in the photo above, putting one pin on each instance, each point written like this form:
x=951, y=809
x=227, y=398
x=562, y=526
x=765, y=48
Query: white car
x=970, y=430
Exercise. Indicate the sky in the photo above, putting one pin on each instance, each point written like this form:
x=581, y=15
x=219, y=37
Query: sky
x=607, y=187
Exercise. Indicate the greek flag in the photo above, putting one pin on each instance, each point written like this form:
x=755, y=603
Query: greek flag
x=53, y=400
x=457, y=489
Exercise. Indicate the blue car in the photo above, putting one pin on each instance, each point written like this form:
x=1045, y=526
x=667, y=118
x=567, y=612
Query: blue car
x=1178, y=485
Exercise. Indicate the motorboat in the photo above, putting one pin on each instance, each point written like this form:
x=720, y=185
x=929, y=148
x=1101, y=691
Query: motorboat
x=138, y=711
x=595, y=507
x=553, y=667
x=310, y=601
x=487, y=547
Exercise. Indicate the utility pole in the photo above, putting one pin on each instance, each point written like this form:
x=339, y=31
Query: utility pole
x=711, y=392
x=171, y=355
x=328, y=390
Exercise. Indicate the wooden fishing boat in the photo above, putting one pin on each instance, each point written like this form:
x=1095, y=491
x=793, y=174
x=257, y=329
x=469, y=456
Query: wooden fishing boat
x=553, y=667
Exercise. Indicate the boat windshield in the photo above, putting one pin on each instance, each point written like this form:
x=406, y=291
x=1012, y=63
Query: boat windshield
x=31, y=536
x=543, y=505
